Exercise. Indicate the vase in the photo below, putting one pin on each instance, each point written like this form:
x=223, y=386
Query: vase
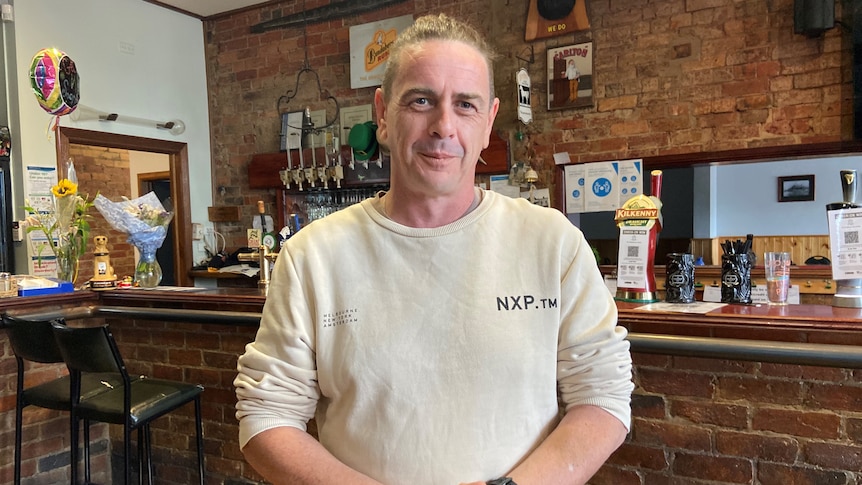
x=67, y=264
x=148, y=273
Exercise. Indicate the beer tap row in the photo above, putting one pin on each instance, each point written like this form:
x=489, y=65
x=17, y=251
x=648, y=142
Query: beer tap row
x=322, y=162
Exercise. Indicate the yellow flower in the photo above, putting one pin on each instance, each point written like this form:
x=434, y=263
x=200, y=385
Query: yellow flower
x=65, y=187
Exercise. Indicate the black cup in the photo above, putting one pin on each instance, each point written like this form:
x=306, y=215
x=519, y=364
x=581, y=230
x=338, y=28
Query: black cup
x=735, y=278
x=679, y=278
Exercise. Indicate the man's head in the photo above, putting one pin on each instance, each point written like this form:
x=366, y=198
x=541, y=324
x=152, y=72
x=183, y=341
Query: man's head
x=436, y=109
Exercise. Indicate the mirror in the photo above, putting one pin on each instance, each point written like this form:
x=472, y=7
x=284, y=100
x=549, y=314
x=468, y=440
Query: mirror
x=177, y=154
x=746, y=185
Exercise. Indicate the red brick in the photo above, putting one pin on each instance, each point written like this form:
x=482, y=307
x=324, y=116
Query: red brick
x=658, y=433
x=778, y=474
x=760, y=390
x=709, y=412
x=821, y=425
x=716, y=468
x=772, y=448
x=839, y=456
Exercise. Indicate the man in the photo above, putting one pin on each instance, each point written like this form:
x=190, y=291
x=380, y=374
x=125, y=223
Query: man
x=574, y=76
x=431, y=330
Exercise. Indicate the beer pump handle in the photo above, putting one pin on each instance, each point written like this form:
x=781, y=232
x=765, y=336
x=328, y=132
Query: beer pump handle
x=655, y=184
x=849, y=185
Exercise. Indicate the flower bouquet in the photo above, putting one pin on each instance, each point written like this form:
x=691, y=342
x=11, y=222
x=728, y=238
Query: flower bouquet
x=64, y=222
x=146, y=221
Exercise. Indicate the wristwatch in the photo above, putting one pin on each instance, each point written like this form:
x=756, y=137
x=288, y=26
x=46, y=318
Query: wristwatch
x=501, y=481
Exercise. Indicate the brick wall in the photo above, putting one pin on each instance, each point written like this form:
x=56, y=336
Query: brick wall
x=730, y=422
x=670, y=76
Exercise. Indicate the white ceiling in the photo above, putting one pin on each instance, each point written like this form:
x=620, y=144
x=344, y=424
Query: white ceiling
x=207, y=8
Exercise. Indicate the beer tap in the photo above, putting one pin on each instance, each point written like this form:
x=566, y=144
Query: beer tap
x=285, y=174
x=321, y=170
x=297, y=173
x=336, y=171
x=352, y=163
x=307, y=126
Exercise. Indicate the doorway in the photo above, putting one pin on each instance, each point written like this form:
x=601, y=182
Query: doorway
x=177, y=187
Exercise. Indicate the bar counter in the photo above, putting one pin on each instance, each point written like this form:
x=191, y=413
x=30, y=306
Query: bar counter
x=741, y=372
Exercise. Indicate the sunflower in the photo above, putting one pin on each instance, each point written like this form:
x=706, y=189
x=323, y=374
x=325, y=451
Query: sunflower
x=64, y=187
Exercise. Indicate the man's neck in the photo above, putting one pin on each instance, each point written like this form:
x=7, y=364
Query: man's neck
x=428, y=212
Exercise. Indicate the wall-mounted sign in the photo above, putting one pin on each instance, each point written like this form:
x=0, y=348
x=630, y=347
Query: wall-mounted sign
x=549, y=18
x=570, y=76
x=369, y=49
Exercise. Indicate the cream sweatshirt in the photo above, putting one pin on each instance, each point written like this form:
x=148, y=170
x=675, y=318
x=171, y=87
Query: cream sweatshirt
x=433, y=356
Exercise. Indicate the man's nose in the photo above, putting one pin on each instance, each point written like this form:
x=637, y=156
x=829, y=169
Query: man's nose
x=443, y=123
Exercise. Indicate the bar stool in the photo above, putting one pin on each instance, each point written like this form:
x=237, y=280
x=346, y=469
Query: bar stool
x=134, y=404
x=33, y=340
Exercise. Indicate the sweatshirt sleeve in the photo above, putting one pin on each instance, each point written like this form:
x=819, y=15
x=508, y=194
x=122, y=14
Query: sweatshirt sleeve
x=277, y=382
x=594, y=365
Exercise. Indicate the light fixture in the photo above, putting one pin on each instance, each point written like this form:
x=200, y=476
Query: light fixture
x=86, y=113
x=307, y=126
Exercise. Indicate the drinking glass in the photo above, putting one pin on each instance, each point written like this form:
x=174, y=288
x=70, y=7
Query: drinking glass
x=777, y=268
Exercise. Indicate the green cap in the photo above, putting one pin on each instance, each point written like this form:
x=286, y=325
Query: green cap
x=363, y=139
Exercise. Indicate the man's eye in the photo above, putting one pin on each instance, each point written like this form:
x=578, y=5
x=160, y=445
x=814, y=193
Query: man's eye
x=466, y=105
x=421, y=101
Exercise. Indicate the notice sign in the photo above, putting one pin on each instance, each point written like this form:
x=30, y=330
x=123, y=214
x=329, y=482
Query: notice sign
x=845, y=227
x=602, y=186
x=369, y=49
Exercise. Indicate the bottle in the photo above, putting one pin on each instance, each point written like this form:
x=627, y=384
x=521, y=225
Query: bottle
x=264, y=223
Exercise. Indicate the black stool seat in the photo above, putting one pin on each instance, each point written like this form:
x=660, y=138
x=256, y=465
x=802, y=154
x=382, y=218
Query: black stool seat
x=150, y=398
x=55, y=394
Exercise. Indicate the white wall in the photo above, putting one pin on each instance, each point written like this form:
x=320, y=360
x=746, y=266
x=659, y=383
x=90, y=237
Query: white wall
x=747, y=197
x=134, y=59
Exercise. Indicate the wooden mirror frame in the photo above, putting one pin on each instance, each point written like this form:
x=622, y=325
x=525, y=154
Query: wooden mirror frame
x=178, y=160
x=745, y=155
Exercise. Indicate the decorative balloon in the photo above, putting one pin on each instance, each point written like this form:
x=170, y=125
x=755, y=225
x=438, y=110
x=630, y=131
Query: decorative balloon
x=55, y=82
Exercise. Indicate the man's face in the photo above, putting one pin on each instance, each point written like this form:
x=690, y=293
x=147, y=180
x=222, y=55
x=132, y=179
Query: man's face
x=438, y=118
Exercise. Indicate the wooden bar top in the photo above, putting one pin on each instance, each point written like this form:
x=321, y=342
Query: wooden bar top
x=757, y=321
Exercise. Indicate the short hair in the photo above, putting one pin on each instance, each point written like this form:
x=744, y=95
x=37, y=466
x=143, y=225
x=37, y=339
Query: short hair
x=436, y=27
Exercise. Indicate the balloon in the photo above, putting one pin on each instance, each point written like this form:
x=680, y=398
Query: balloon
x=54, y=79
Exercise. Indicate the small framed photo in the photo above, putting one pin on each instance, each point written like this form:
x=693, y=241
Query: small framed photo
x=570, y=76
x=796, y=188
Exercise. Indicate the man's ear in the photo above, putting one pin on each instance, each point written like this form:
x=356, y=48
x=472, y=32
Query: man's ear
x=380, y=114
x=492, y=115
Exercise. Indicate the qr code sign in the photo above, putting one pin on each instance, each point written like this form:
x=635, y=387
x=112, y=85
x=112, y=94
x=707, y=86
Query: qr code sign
x=632, y=251
x=851, y=237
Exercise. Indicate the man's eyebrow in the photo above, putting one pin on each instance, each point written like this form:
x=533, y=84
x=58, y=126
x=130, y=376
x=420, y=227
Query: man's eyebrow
x=417, y=93
x=411, y=93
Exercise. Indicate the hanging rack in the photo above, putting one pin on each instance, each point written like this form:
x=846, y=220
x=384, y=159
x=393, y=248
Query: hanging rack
x=532, y=58
x=307, y=124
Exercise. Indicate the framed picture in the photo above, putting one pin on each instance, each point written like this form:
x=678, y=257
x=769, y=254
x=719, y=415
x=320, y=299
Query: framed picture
x=353, y=115
x=796, y=188
x=291, y=129
x=570, y=76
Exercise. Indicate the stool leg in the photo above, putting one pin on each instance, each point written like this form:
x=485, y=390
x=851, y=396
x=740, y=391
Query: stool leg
x=149, y=453
x=141, y=455
x=19, y=434
x=127, y=448
x=200, y=439
x=86, y=451
x=73, y=445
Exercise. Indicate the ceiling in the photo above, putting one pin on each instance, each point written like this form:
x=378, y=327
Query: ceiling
x=207, y=8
